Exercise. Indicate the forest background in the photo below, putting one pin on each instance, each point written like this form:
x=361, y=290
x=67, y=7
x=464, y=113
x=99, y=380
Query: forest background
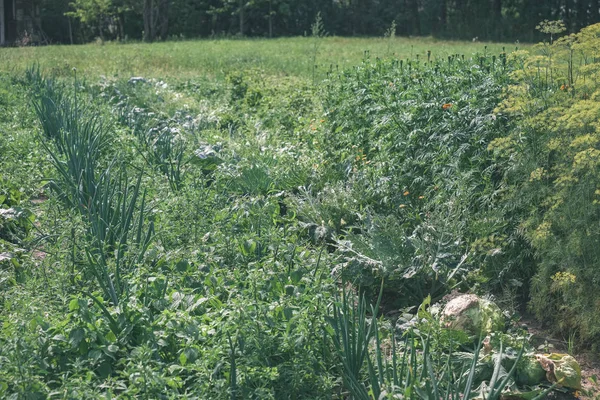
x=81, y=21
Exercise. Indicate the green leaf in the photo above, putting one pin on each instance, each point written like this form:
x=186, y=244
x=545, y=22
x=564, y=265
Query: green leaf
x=296, y=276
x=182, y=265
x=112, y=348
x=95, y=354
x=74, y=305
x=76, y=336
x=59, y=338
x=288, y=312
x=110, y=336
x=423, y=313
x=248, y=248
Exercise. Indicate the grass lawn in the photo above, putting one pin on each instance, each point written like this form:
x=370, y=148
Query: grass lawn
x=217, y=58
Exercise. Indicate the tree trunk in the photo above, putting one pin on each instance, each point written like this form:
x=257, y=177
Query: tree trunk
x=568, y=14
x=497, y=12
x=242, y=17
x=443, y=16
x=148, y=28
x=70, y=30
x=497, y=9
x=582, y=14
x=358, y=17
x=156, y=19
x=163, y=16
x=2, y=28
x=414, y=12
x=361, y=17
x=101, y=20
x=270, y=18
x=121, y=27
x=463, y=20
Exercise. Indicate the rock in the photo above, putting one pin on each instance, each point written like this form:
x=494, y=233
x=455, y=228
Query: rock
x=135, y=79
x=473, y=315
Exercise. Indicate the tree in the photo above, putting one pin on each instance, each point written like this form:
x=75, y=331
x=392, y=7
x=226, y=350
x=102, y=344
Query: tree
x=497, y=14
x=97, y=15
x=505, y=20
x=413, y=5
x=443, y=15
x=156, y=19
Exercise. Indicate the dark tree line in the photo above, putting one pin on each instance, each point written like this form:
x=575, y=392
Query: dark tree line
x=500, y=20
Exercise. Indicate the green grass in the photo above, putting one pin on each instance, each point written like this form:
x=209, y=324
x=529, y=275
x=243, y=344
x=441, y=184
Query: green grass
x=217, y=58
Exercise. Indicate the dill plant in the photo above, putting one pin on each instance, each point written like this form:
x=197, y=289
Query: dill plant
x=390, y=36
x=317, y=34
x=552, y=160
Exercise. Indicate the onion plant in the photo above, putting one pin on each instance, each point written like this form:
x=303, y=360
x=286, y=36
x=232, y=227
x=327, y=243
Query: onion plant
x=118, y=236
x=113, y=210
x=411, y=370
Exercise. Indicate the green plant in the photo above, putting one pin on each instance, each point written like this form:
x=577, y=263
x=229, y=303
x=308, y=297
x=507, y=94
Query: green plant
x=417, y=373
x=551, y=160
x=420, y=174
x=551, y=28
x=317, y=33
x=107, y=203
x=390, y=36
x=225, y=285
x=571, y=342
x=115, y=228
x=167, y=153
x=76, y=134
x=159, y=138
x=352, y=336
